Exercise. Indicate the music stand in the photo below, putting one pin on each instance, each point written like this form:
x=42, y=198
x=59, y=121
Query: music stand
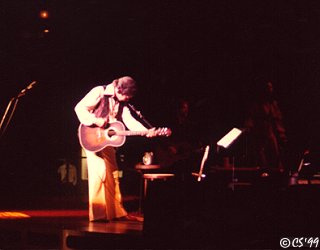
x=229, y=138
x=226, y=141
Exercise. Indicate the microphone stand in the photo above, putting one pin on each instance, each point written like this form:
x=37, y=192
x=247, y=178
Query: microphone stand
x=140, y=115
x=14, y=101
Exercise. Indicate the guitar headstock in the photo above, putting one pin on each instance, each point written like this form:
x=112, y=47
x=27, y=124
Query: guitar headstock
x=163, y=132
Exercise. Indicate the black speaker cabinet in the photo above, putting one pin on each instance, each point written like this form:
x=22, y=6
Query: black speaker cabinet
x=191, y=214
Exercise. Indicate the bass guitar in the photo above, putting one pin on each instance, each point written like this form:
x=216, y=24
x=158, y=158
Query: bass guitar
x=95, y=138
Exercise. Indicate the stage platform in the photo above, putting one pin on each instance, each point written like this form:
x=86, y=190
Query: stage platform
x=65, y=228
x=177, y=215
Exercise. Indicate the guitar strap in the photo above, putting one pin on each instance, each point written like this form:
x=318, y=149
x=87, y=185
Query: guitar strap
x=102, y=109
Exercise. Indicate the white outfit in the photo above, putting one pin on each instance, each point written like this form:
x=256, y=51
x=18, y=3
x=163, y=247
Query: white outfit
x=104, y=189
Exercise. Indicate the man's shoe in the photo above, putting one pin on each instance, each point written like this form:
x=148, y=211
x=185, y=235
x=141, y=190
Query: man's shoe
x=129, y=218
x=100, y=221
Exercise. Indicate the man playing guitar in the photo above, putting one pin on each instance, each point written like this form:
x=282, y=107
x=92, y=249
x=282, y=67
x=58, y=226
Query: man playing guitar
x=103, y=106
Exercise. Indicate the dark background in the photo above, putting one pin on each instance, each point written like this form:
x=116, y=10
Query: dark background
x=208, y=51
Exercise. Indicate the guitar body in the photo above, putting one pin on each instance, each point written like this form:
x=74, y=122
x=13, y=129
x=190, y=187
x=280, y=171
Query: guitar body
x=95, y=138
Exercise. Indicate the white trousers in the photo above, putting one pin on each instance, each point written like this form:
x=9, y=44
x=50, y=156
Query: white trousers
x=105, y=200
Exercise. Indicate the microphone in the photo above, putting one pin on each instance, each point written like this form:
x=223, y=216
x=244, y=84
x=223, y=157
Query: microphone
x=30, y=86
x=134, y=109
x=139, y=115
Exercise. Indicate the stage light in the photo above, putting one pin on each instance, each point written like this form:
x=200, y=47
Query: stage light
x=44, y=14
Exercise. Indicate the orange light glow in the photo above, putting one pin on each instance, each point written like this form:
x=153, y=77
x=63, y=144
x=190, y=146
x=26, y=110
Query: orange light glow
x=44, y=14
x=13, y=215
x=42, y=213
x=46, y=31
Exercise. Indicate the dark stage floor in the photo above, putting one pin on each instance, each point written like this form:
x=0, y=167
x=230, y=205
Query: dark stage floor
x=65, y=228
x=177, y=215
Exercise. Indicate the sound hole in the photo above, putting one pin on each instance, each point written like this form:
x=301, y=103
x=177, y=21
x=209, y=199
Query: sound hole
x=111, y=132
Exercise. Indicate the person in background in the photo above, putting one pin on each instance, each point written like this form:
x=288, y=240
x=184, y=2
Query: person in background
x=101, y=106
x=181, y=151
x=266, y=131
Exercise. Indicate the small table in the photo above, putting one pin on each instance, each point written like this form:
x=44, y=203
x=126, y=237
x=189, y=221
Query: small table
x=142, y=169
x=151, y=177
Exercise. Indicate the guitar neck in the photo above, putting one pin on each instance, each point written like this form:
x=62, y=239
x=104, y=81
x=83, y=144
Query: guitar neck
x=131, y=133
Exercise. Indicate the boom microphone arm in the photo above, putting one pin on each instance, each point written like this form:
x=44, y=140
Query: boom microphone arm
x=131, y=107
x=14, y=101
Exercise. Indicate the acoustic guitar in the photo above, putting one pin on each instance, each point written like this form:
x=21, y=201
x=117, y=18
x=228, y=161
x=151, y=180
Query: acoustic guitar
x=94, y=138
